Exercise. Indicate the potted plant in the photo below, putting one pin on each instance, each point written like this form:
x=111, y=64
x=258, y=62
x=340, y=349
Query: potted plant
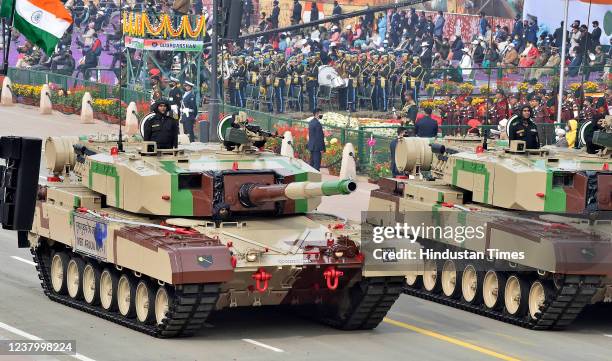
x=523, y=88
x=485, y=90
x=332, y=158
x=432, y=89
x=376, y=171
x=466, y=88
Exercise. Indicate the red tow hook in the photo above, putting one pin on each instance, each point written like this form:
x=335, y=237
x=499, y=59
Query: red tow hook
x=331, y=275
x=261, y=276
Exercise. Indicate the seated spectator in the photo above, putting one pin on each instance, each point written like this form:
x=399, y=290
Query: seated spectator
x=529, y=55
x=596, y=62
x=87, y=62
x=63, y=63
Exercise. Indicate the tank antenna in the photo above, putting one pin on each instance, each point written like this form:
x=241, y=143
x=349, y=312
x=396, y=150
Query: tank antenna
x=485, y=134
x=120, y=140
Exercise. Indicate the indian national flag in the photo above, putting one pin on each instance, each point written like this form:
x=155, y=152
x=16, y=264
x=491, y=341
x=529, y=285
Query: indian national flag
x=43, y=22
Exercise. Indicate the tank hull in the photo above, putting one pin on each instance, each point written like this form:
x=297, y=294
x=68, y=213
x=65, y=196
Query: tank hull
x=566, y=258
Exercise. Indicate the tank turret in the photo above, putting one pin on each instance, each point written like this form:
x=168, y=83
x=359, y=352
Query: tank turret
x=548, y=179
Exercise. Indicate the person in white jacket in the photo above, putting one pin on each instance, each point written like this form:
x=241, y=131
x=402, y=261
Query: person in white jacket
x=466, y=64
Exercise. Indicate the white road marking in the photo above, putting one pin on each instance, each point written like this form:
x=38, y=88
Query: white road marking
x=608, y=335
x=24, y=334
x=257, y=343
x=23, y=260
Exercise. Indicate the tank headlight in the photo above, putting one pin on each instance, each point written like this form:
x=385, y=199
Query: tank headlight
x=251, y=256
x=339, y=254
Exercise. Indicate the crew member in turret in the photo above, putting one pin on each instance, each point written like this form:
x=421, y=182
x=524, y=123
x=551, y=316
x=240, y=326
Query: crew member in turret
x=525, y=129
x=162, y=128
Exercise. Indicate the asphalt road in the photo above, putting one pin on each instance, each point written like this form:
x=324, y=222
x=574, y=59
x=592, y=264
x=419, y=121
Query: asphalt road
x=414, y=330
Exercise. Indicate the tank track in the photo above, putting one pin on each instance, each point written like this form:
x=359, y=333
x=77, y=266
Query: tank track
x=190, y=304
x=371, y=299
x=572, y=295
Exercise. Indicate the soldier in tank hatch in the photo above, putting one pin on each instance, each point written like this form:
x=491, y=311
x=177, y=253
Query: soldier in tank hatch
x=162, y=128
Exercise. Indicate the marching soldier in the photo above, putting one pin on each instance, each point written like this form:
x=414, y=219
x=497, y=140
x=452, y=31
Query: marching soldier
x=372, y=72
x=239, y=77
x=383, y=83
x=448, y=111
x=539, y=111
x=353, y=72
x=466, y=112
x=514, y=105
x=280, y=78
x=265, y=81
x=175, y=95
x=587, y=112
x=189, y=110
x=416, y=77
x=567, y=108
x=312, y=82
x=296, y=72
x=500, y=108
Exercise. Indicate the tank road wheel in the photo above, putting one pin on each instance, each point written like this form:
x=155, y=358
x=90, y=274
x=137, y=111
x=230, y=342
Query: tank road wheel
x=413, y=280
x=516, y=295
x=431, y=279
x=59, y=262
x=493, y=289
x=145, y=301
x=74, y=274
x=449, y=278
x=162, y=304
x=91, y=284
x=471, y=285
x=108, y=289
x=539, y=293
x=126, y=290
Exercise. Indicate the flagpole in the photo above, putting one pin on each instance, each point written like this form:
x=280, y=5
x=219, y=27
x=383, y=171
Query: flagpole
x=7, y=45
x=562, y=65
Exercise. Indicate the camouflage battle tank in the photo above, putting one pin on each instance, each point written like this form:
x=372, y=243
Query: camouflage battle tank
x=545, y=215
x=156, y=240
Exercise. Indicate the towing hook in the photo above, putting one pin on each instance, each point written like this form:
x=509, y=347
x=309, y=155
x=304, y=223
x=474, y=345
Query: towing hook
x=331, y=275
x=261, y=276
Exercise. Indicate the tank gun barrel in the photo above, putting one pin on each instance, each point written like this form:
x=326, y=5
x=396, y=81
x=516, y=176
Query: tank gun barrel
x=253, y=194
